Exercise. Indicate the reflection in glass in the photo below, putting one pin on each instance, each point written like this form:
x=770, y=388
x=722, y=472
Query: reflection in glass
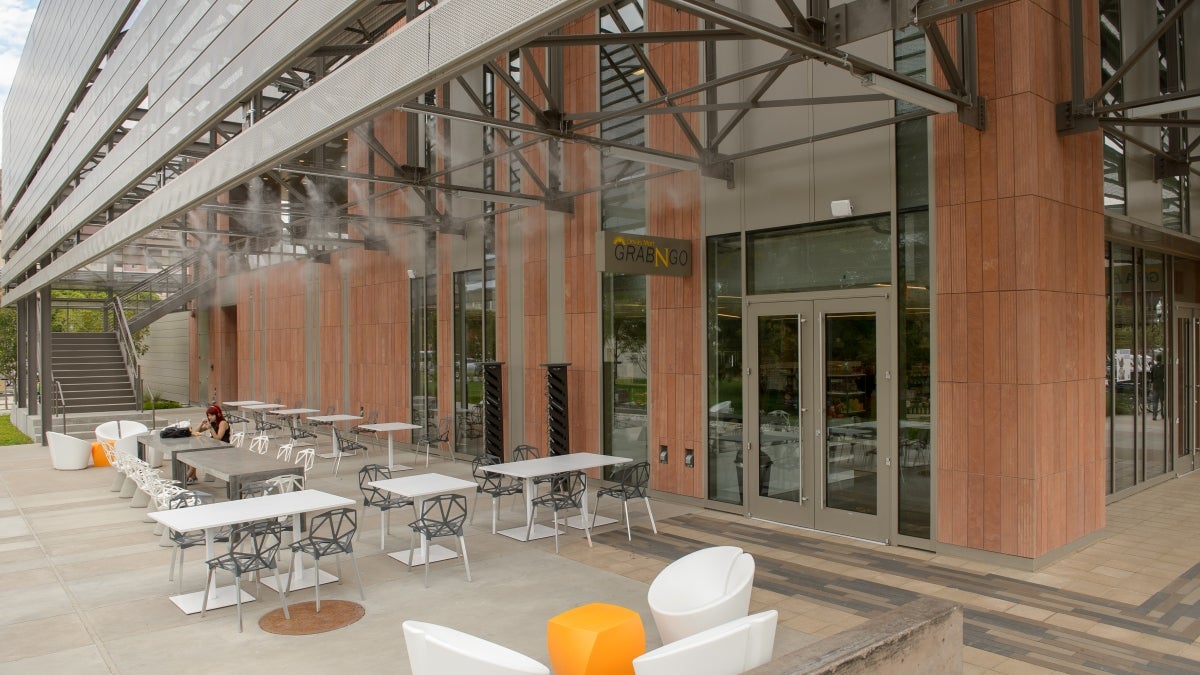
x=474, y=343
x=851, y=419
x=1124, y=367
x=724, y=367
x=423, y=344
x=626, y=366
x=778, y=397
x=914, y=490
x=840, y=254
x=1155, y=321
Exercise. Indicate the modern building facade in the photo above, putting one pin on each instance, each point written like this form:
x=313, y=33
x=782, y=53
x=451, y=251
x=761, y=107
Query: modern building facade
x=917, y=272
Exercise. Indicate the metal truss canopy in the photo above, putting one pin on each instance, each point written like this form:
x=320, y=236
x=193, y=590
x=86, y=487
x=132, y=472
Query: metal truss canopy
x=173, y=211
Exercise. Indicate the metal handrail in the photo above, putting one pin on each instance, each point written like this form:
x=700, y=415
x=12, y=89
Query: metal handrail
x=61, y=402
x=128, y=351
x=170, y=278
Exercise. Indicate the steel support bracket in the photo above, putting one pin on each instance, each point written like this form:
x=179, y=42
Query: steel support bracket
x=560, y=202
x=974, y=114
x=1167, y=167
x=722, y=170
x=1072, y=120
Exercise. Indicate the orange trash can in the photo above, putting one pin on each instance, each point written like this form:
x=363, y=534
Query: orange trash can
x=98, y=456
x=595, y=639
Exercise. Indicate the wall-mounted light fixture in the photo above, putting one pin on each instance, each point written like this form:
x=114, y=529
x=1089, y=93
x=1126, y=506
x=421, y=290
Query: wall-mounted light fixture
x=412, y=274
x=662, y=454
x=909, y=93
x=840, y=208
x=689, y=458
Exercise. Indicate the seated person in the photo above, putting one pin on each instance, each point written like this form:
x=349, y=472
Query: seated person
x=214, y=425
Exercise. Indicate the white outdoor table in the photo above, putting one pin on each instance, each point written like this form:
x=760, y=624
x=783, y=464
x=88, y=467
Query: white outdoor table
x=238, y=404
x=390, y=427
x=333, y=419
x=529, y=469
x=417, y=488
x=293, y=411
x=211, y=517
x=262, y=406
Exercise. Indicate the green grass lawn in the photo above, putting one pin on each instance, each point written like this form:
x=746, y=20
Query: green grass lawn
x=10, y=435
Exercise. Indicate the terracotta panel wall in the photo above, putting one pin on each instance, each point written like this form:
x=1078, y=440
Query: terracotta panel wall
x=579, y=261
x=676, y=303
x=1020, y=299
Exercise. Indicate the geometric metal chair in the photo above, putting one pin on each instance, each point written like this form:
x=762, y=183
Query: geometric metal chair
x=262, y=424
x=252, y=548
x=634, y=480
x=380, y=499
x=492, y=484
x=441, y=516
x=296, y=433
x=260, y=444
x=441, y=438
x=306, y=457
x=330, y=533
x=525, y=451
x=346, y=446
x=567, y=492
x=186, y=540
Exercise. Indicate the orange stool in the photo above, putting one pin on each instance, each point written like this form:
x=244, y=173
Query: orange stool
x=98, y=456
x=595, y=639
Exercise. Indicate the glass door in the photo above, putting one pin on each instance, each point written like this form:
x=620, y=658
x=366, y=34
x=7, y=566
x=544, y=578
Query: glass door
x=1185, y=389
x=820, y=449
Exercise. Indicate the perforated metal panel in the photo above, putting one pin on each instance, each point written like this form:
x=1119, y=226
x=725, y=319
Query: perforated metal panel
x=259, y=41
x=150, y=40
x=455, y=36
x=51, y=73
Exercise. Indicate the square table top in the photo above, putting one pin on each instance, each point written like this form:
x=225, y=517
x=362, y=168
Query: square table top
x=169, y=445
x=236, y=511
x=334, y=418
x=262, y=406
x=237, y=404
x=422, y=485
x=544, y=466
x=293, y=411
x=226, y=462
x=390, y=426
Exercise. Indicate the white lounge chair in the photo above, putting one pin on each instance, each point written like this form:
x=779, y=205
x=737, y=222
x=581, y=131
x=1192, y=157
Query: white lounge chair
x=68, y=453
x=728, y=649
x=700, y=590
x=435, y=650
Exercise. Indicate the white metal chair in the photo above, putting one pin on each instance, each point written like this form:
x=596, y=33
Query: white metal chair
x=435, y=650
x=236, y=439
x=306, y=457
x=728, y=649
x=260, y=444
x=68, y=453
x=703, y=589
x=285, y=452
x=442, y=437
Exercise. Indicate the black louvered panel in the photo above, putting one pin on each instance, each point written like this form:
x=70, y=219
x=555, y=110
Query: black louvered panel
x=493, y=409
x=558, y=431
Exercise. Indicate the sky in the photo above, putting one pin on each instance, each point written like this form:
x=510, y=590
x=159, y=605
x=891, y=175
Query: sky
x=15, y=17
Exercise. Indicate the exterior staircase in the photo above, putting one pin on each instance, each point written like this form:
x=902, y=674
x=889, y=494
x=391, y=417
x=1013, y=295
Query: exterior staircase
x=91, y=370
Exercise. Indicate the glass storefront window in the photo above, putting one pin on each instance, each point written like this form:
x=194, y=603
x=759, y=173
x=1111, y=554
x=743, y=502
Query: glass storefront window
x=915, y=409
x=423, y=343
x=474, y=326
x=839, y=254
x=626, y=366
x=724, y=309
x=1154, y=328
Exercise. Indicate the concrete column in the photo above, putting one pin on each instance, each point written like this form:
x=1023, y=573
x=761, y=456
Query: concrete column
x=46, y=356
